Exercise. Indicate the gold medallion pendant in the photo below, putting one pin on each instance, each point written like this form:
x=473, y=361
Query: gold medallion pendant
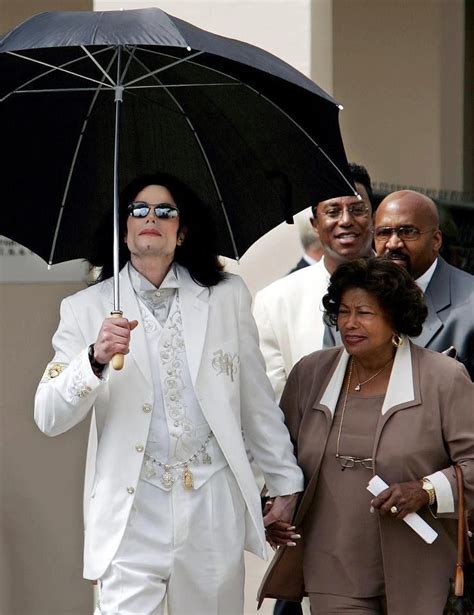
x=188, y=478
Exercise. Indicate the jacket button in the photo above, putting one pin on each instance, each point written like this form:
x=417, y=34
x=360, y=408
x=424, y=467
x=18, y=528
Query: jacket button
x=146, y=408
x=131, y=490
x=139, y=448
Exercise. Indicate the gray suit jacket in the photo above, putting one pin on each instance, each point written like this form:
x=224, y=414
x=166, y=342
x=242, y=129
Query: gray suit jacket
x=450, y=321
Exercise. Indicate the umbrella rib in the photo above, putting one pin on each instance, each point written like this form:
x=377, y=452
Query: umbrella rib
x=163, y=68
x=73, y=164
x=328, y=158
x=92, y=59
x=206, y=159
x=135, y=87
x=59, y=90
x=59, y=68
x=219, y=72
x=131, y=55
x=22, y=91
x=182, y=85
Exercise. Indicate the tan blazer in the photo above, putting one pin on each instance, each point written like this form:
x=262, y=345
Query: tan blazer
x=426, y=424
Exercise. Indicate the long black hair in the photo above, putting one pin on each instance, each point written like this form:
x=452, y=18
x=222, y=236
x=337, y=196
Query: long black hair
x=198, y=252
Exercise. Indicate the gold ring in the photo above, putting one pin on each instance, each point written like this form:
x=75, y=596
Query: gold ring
x=394, y=510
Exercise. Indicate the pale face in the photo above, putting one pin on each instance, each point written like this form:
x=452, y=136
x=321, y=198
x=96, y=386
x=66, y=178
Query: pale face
x=152, y=236
x=345, y=238
x=365, y=330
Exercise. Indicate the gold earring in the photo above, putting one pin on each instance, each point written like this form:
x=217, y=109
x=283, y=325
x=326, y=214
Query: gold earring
x=180, y=240
x=397, y=340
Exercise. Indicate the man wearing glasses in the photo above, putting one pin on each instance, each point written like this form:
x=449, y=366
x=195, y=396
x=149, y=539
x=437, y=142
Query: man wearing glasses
x=288, y=312
x=406, y=230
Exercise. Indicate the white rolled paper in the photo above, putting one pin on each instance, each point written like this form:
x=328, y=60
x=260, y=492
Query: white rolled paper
x=377, y=485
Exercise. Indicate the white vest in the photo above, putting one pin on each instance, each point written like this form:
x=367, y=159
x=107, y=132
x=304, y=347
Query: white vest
x=179, y=436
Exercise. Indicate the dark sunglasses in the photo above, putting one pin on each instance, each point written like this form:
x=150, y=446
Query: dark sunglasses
x=140, y=209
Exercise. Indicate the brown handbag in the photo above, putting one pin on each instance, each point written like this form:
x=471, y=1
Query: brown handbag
x=461, y=592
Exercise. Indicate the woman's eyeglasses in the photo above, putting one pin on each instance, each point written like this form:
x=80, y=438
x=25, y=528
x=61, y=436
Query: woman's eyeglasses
x=140, y=209
x=347, y=461
x=405, y=233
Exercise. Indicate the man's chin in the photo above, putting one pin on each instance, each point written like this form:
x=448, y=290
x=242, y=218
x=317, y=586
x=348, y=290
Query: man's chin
x=402, y=262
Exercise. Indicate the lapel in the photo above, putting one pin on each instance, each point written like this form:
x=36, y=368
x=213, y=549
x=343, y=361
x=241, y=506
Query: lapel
x=131, y=311
x=194, y=306
x=403, y=389
x=331, y=392
x=437, y=297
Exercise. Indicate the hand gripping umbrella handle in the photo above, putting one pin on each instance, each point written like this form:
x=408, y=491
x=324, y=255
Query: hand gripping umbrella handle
x=117, y=359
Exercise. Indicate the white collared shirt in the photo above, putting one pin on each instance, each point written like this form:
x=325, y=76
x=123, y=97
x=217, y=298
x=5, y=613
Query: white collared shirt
x=425, y=278
x=309, y=259
x=158, y=300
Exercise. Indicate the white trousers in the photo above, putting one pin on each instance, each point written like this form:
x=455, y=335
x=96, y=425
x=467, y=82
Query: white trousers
x=183, y=546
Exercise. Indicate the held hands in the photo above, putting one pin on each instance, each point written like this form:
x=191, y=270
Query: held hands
x=277, y=521
x=113, y=338
x=401, y=498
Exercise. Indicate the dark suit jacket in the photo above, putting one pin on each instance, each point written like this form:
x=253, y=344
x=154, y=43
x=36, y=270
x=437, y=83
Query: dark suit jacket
x=301, y=264
x=450, y=321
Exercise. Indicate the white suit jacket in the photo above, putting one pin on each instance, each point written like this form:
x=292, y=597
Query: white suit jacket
x=227, y=371
x=289, y=317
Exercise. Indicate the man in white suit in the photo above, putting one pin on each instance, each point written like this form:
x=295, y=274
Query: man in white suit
x=170, y=498
x=288, y=312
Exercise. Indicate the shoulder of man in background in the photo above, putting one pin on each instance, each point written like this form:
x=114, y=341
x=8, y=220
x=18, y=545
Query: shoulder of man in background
x=301, y=264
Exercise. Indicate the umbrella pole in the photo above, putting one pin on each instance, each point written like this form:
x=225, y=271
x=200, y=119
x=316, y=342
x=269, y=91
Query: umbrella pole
x=117, y=359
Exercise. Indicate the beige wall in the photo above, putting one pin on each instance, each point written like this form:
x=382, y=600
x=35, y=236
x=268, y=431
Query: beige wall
x=398, y=71
x=12, y=12
x=40, y=478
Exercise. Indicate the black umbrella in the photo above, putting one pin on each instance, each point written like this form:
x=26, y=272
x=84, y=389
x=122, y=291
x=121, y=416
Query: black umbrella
x=84, y=93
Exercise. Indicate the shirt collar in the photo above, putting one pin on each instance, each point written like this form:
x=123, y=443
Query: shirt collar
x=309, y=259
x=145, y=288
x=425, y=278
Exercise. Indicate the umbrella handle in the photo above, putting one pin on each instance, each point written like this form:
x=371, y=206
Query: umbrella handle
x=118, y=358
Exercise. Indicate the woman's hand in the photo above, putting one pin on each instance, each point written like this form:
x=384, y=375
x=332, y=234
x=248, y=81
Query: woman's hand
x=277, y=520
x=401, y=498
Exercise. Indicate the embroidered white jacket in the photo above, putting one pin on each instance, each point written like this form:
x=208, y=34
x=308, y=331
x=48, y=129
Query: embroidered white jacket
x=235, y=397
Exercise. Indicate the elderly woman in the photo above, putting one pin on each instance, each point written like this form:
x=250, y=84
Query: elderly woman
x=380, y=405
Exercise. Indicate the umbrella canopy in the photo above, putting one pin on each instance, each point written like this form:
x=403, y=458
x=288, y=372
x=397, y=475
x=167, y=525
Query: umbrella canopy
x=79, y=91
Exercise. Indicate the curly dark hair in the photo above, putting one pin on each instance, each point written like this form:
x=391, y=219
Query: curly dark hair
x=198, y=252
x=398, y=295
